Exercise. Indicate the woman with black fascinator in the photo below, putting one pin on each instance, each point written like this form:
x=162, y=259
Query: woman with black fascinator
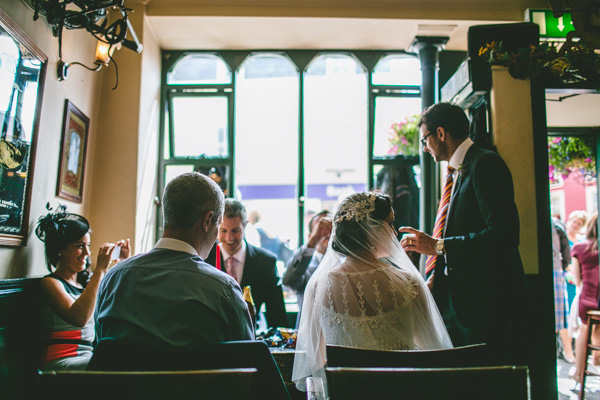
x=68, y=294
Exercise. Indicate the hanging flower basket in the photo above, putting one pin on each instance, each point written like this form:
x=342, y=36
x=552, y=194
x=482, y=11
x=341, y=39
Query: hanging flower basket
x=571, y=156
x=404, y=137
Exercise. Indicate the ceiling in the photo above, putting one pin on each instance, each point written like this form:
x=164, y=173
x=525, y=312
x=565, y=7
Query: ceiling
x=322, y=24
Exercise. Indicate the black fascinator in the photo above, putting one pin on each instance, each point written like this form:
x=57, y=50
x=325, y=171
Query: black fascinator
x=58, y=228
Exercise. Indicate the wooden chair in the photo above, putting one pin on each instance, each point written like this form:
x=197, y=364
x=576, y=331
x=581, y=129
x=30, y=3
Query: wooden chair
x=118, y=355
x=488, y=383
x=468, y=356
x=233, y=384
x=593, y=318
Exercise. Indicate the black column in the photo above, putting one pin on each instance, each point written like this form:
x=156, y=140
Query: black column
x=428, y=48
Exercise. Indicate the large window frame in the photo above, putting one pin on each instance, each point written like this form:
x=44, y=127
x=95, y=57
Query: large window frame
x=301, y=59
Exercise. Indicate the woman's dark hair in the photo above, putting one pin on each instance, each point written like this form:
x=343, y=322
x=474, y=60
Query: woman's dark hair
x=349, y=234
x=57, y=229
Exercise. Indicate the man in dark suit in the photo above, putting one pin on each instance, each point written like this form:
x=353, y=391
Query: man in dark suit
x=247, y=264
x=477, y=275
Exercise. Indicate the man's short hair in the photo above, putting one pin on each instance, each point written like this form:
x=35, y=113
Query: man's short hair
x=189, y=197
x=234, y=208
x=448, y=116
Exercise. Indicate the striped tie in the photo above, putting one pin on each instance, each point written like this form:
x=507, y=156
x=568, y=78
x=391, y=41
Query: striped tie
x=440, y=219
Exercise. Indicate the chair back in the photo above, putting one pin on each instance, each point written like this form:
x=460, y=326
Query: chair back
x=119, y=355
x=231, y=384
x=488, y=383
x=476, y=355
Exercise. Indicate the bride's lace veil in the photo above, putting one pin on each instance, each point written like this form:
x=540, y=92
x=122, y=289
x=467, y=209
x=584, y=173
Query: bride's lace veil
x=366, y=292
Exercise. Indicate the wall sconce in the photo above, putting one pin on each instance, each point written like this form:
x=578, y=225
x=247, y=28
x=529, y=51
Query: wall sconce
x=104, y=52
x=91, y=15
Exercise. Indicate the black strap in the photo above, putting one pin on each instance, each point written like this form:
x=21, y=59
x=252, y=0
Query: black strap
x=69, y=341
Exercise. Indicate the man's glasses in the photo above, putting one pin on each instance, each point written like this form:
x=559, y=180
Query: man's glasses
x=424, y=139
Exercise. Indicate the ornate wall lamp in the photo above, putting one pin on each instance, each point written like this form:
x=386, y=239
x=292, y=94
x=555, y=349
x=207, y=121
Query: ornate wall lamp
x=94, y=17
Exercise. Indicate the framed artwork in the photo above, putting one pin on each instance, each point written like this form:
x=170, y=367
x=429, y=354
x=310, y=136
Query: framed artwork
x=22, y=72
x=71, y=168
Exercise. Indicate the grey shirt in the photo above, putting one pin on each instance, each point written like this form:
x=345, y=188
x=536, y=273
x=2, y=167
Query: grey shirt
x=170, y=297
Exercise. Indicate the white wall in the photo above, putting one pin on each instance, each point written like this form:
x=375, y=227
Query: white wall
x=126, y=151
x=512, y=128
x=576, y=111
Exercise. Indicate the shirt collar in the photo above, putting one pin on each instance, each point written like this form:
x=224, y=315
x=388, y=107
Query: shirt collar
x=240, y=255
x=459, y=154
x=175, y=244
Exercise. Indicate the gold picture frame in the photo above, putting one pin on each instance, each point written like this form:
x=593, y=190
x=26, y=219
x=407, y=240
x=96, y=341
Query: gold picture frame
x=73, y=149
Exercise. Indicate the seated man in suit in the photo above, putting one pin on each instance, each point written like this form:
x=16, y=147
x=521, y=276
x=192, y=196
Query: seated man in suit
x=170, y=296
x=307, y=258
x=247, y=264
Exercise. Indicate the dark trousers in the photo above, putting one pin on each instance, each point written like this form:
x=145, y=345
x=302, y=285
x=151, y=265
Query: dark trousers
x=507, y=339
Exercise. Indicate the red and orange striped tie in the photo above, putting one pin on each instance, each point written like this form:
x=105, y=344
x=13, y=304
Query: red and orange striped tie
x=440, y=219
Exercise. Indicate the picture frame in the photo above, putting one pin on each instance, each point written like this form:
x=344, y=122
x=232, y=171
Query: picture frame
x=22, y=78
x=73, y=149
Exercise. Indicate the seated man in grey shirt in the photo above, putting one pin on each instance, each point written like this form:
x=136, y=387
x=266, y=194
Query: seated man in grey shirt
x=306, y=259
x=170, y=296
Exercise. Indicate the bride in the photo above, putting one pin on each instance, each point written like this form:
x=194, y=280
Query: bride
x=366, y=292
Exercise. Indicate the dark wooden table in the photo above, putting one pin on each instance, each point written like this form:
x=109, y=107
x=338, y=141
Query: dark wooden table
x=285, y=361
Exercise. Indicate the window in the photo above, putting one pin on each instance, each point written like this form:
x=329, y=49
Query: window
x=396, y=97
x=266, y=146
x=290, y=132
x=336, y=131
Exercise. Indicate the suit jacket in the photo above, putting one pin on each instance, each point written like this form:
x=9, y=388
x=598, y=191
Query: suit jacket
x=260, y=272
x=485, y=286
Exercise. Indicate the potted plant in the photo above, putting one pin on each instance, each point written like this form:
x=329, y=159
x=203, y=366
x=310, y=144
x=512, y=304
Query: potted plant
x=573, y=62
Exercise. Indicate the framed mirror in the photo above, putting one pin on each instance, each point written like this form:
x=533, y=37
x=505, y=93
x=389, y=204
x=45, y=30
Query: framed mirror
x=22, y=70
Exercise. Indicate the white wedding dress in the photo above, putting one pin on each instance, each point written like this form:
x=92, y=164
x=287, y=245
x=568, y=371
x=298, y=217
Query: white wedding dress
x=372, y=298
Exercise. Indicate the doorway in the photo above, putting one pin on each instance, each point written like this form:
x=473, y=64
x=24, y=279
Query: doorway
x=573, y=140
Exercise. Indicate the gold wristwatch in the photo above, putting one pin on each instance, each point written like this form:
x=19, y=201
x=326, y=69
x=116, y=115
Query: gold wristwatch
x=439, y=248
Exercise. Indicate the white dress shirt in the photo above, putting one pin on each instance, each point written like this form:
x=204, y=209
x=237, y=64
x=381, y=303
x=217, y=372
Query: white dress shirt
x=240, y=258
x=175, y=244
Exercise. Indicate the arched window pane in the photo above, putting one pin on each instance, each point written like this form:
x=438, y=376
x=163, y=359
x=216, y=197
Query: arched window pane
x=266, y=149
x=336, y=126
x=334, y=65
x=199, y=69
x=267, y=66
x=390, y=111
x=397, y=70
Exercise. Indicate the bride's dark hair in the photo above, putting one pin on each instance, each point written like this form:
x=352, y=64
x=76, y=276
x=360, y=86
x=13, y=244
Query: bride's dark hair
x=350, y=234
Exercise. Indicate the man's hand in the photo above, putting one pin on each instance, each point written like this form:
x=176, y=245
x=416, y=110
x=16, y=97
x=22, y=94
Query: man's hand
x=417, y=241
x=430, y=282
x=319, y=237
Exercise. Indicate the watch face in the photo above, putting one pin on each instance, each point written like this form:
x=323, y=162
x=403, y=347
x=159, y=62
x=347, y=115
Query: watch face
x=439, y=247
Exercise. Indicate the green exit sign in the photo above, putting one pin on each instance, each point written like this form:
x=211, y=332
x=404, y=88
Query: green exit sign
x=551, y=27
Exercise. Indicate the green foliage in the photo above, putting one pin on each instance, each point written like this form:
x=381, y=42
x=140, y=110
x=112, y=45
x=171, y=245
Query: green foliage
x=572, y=63
x=571, y=155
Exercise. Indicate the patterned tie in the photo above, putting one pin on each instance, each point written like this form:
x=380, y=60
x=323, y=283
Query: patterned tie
x=440, y=219
x=231, y=267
